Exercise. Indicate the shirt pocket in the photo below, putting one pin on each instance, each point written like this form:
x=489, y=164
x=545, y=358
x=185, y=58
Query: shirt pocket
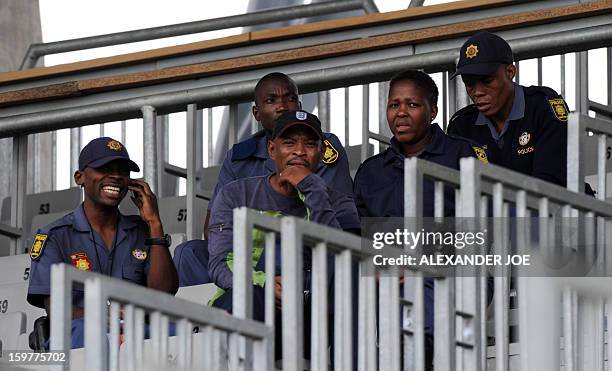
x=134, y=271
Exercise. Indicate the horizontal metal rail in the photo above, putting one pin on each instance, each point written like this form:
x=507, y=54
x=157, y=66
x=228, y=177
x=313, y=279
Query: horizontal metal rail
x=35, y=51
x=10, y=231
x=100, y=289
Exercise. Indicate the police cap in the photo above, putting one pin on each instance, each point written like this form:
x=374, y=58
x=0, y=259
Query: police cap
x=103, y=150
x=482, y=54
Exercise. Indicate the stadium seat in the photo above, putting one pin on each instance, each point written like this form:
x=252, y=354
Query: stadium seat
x=206, y=179
x=14, y=269
x=173, y=212
x=39, y=221
x=13, y=299
x=200, y=294
x=13, y=325
x=44, y=203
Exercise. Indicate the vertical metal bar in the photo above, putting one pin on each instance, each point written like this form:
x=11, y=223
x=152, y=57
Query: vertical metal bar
x=570, y=335
x=150, y=170
x=461, y=94
x=95, y=325
x=54, y=150
x=383, y=94
x=601, y=166
x=292, y=314
x=347, y=109
x=199, y=140
x=501, y=283
x=270, y=251
x=591, y=335
x=608, y=312
x=320, y=309
x=323, y=105
x=243, y=251
x=234, y=351
x=75, y=150
x=164, y=338
x=366, y=346
x=139, y=337
x=128, y=337
x=413, y=188
x=445, y=116
x=61, y=311
x=114, y=336
x=444, y=320
x=609, y=68
x=343, y=339
x=156, y=339
x=546, y=247
x=160, y=157
x=209, y=137
x=389, y=327
x=582, y=82
x=263, y=354
x=518, y=72
x=211, y=348
x=233, y=125
x=123, y=132
x=184, y=329
x=18, y=190
x=365, y=123
x=575, y=134
x=562, y=75
x=193, y=229
x=539, y=71
x=439, y=201
x=452, y=96
x=590, y=251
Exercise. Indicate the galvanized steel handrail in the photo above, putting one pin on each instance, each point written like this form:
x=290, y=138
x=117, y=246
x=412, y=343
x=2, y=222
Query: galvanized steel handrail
x=35, y=51
x=101, y=289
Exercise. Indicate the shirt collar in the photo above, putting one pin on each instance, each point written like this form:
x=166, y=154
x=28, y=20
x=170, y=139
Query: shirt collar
x=82, y=224
x=261, y=140
x=436, y=146
x=517, y=112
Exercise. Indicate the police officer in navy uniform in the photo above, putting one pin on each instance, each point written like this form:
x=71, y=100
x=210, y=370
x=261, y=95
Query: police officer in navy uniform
x=379, y=182
x=274, y=94
x=521, y=128
x=96, y=237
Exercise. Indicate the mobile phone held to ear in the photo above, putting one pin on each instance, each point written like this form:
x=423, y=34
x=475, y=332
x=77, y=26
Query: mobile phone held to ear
x=135, y=194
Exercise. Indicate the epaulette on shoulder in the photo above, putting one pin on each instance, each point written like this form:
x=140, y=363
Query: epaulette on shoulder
x=43, y=234
x=467, y=110
x=543, y=90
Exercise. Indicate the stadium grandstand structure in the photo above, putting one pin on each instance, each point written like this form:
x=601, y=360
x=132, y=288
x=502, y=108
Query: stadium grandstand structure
x=363, y=51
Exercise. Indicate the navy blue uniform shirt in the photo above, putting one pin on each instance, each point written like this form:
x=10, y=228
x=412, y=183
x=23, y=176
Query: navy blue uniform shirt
x=534, y=138
x=379, y=182
x=71, y=240
x=250, y=158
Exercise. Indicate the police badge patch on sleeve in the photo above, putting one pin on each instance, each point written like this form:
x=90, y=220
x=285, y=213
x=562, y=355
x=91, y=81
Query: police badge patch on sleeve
x=37, y=247
x=559, y=109
x=481, y=154
x=331, y=154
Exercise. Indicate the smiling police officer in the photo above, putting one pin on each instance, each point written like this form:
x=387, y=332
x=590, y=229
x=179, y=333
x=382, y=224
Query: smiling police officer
x=97, y=237
x=521, y=128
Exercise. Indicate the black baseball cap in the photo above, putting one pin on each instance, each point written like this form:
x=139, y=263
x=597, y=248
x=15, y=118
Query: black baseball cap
x=482, y=54
x=292, y=118
x=103, y=150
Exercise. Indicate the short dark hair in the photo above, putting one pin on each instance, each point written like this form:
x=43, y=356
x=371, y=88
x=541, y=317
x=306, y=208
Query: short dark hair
x=422, y=80
x=272, y=76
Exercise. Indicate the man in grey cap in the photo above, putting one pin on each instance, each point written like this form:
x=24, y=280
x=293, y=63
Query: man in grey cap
x=97, y=237
x=521, y=128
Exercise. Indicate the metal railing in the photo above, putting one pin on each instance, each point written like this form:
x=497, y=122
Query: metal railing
x=35, y=51
x=114, y=307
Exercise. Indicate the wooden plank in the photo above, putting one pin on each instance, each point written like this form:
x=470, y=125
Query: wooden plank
x=125, y=59
x=258, y=36
x=376, y=19
x=310, y=53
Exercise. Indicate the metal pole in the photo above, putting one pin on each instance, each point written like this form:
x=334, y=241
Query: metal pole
x=18, y=190
x=61, y=312
x=365, y=123
x=262, y=17
x=347, y=123
x=75, y=150
x=323, y=105
x=160, y=155
x=192, y=121
x=209, y=138
x=150, y=147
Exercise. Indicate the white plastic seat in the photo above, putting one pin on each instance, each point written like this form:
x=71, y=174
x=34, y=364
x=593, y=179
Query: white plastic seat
x=177, y=239
x=200, y=294
x=14, y=269
x=13, y=299
x=13, y=325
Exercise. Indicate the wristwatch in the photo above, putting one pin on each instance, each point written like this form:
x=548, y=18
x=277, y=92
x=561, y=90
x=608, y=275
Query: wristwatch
x=162, y=241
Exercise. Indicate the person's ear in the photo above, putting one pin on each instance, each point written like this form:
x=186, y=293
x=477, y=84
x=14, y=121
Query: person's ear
x=510, y=71
x=272, y=150
x=78, y=178
x=434, y=112
x=255, y=111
